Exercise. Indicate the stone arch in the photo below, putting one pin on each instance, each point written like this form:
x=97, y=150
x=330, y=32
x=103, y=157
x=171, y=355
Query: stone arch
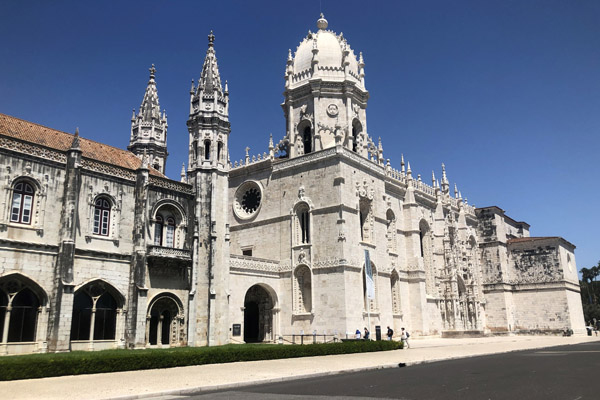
x=96, y=308
x=302, y=289
x=307, y=134
x=165, y=321
x=169, y=224
x=21, y=303
x=260, y=303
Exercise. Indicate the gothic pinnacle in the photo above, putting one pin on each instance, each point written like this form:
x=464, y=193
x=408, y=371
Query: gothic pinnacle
x=432, y=178
x=211, y=39
x=402, y=163
x=152, y=71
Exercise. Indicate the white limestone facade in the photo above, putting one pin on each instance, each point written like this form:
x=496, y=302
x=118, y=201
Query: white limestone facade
x=98, y=249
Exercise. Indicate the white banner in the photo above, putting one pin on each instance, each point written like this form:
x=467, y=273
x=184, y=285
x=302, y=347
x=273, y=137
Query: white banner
x=369, y=277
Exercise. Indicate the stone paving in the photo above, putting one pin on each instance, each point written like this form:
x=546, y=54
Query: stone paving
x=187, y=380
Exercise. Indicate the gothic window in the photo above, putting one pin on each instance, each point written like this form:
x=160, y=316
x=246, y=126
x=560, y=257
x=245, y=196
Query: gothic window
x=302, y=289
x=22, y=203
x=195, y=149
x=219, y=150
x=426, y=244
x=158, y=230
x=168, y=226
x=94, y=313
x=207, y=149
x=395, y=284
x=391, y=231
x=366, y=220
x=307, y=140
x=302, y=222
x=101, y=216
x=370, y=304
x=19, y=309
x=356, y=130
x=170, y=232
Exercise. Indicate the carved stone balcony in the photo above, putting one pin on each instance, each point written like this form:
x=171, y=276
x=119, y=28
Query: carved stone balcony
x=169, y=253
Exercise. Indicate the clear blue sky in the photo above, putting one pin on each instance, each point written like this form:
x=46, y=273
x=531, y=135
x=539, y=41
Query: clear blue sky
x=506, y=93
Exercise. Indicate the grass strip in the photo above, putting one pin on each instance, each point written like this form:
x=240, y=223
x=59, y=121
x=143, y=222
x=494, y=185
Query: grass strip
x=84, y=362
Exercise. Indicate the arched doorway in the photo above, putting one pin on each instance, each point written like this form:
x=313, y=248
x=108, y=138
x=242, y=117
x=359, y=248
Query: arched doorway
x=164, y=322
x=258, y=315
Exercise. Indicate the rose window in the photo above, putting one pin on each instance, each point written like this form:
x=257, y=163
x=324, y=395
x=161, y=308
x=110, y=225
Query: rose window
x=247, y=200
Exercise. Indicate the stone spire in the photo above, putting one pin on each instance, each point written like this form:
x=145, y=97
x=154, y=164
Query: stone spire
x=209, y=120
x=149, y=127
x=445, y=184
x=210, y=79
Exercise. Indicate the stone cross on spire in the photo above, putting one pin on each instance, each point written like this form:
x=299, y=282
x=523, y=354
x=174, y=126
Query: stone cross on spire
x=211, y=39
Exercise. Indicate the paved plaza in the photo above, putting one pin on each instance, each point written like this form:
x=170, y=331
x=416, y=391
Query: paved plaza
x=187, y=380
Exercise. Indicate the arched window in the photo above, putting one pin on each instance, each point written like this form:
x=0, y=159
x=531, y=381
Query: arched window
x=356, y=130
x=302, y=224
x=94, y=313
x=19, y=310
x=370, y=304
x=366, y=220
x=395, y=285
x=307, y=140
x=426, y=245
x=101, y=216
x=22, y=203
x=170, y=232
x=219, y=150
x=391, y=230
x=168, y=226
x=158, y=230
x=207, y=149
x=302, y=289
x=23, y=317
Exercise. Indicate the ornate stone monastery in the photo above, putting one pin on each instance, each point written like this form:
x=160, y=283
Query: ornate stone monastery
x=99, y=249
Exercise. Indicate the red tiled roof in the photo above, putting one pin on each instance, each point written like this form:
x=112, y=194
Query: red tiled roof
x=58, y=140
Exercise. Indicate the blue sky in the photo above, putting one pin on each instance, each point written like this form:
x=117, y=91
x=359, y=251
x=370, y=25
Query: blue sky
x=505, y=93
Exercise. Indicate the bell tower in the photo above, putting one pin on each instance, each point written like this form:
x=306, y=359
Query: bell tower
x=208, y=171
x=149, y=128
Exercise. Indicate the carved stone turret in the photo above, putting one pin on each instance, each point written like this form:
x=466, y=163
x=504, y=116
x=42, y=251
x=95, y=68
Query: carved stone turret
x=149, y=128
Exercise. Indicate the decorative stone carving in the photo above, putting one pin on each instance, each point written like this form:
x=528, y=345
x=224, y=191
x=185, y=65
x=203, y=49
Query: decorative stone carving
x=332, y=110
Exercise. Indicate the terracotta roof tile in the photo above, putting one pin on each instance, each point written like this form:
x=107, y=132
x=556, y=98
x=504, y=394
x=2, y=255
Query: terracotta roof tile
x=58, y=140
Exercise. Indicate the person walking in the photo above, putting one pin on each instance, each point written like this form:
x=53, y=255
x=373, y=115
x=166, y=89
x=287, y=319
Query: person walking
x=357, y=334
x=367, y=333
x=390, y=333
x=404, y=335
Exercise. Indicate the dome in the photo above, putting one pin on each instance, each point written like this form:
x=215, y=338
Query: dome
x=330, y=55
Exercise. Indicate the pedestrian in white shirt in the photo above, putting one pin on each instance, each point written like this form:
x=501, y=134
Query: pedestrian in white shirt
x=404, y=335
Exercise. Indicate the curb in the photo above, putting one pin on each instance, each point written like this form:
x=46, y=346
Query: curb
x=205, y=389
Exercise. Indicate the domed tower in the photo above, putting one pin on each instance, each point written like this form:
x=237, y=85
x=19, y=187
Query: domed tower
x=325, y=95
